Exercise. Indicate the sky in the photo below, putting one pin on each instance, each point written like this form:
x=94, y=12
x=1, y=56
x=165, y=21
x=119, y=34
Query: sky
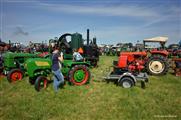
x=110, y=21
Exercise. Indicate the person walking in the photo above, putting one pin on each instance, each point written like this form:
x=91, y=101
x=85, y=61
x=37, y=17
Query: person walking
x=57, y=59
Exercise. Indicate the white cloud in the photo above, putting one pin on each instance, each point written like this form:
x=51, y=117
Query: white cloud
x=151, y=15
x=105, y=10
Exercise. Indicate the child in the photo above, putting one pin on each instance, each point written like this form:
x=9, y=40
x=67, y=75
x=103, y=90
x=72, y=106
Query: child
x=77, y=56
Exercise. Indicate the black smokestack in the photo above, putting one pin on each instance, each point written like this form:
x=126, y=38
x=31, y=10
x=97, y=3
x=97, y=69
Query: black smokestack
x=94, y=41
x=87, y=36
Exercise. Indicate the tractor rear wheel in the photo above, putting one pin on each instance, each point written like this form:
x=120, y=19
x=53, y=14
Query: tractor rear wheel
x=15, y=75
x=41, y=82
x=79, y=75
x=157, y=65
x=126, y=82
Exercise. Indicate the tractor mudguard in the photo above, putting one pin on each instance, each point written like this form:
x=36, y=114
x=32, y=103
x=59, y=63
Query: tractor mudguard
x=137, y=77
x=160, y=52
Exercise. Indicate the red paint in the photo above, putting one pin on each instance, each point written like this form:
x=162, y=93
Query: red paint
x=16, y=76
x=84, y=80
x=44, y=84
x=132, y=60
x=122, y=63
x=162, y=52
x=43, y=54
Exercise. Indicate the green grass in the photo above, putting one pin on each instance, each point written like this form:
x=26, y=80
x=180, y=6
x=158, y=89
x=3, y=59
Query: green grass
x=97, y=100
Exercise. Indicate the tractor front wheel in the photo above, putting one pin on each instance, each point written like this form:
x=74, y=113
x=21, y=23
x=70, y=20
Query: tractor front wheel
x=79, y=75
x=15, y=75
x=41, y=82
x=157, y=65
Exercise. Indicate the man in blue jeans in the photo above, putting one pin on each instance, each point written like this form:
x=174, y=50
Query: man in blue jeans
x=58, y=76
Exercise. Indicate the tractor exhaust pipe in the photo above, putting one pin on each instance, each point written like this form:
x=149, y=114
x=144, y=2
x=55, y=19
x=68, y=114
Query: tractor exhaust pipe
x=87, y=36
x=94, y=41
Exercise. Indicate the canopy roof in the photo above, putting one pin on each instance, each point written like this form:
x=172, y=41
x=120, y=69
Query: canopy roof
x=156, y=39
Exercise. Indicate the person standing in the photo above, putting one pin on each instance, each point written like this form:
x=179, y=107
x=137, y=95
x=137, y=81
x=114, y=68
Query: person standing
x=56, y=69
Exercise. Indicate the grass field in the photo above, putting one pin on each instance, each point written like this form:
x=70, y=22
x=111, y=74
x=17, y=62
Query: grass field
x=97, y=100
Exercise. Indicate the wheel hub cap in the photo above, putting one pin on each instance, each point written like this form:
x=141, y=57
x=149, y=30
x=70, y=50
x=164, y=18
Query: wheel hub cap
x=16, y=76
x=126, y=84
x=156, y=67
x=79, y=75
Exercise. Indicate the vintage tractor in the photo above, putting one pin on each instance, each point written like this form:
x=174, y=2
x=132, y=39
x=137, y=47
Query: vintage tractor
x=156, y=62
x=174, y=50
x=89, y=51
x=13, y=64
x=130, y=66
x=177, y=68
x=175, y=55
x=76, y=73
x=127, y=70
x=39, y=72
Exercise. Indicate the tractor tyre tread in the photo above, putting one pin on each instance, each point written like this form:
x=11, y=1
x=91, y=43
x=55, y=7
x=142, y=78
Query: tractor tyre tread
x=37, y=82
x=71, y=72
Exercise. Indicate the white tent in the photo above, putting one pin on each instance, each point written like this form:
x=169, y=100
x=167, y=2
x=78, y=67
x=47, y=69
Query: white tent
x=156, y=39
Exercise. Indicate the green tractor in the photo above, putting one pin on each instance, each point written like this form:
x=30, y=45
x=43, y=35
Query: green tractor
x=39, y=68
x=13, y=64
x=39, y=72
x=76, y=73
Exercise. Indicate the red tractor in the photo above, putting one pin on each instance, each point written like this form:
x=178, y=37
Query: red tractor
x=156, y=62
x=153, y=62
x=131, y=65
x=127, y=70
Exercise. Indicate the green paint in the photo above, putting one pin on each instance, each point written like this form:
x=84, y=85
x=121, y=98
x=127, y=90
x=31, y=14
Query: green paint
x=79, y=75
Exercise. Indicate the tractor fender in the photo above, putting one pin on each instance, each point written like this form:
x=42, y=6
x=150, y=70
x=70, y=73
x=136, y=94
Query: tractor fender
x=157, y=52
x=81, y=63
x=127, y=74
